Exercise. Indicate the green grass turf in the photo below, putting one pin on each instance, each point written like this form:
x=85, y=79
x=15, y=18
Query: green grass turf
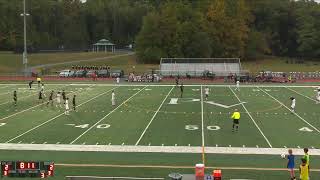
x=138, y=105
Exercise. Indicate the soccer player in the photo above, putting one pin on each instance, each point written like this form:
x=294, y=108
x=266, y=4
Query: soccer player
x=237, y=85
x=15, y=98
x=50, y=98
x=113, y=98
x=304, y=170
x=67, y=106
x=306, y=156
x=41, y=96
x=206, y=92
x=236, y=117
x=30, y=84
x=177, y=81
x=290, y=164
x=293, y=104
x=118, y=80
x=181, y=90
x=58, y=98
x=39, y=81
x=318, y=96
x=74, y=102
x=42, y=87
x=64, y=95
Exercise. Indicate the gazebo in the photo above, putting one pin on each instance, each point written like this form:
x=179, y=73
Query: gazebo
x=103, y=45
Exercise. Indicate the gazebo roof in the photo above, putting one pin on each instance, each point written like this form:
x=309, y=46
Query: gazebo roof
x=104, y=42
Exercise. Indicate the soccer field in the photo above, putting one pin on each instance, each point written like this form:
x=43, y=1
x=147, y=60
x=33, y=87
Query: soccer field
x=153, y=118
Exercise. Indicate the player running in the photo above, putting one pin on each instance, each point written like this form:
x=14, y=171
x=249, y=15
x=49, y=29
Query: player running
x=290, y=164
x=42, y=87
x=318, y=96
x=30, y=84
x=113, y=98
x=181, y=90
x=206, y=92
x=40, y=98
x=58, y=99
x=74, y=102
x=293, y=104
x=237, y=85
x=15, y=98
x=236, y=117
x=66, y=106
x=50, y=98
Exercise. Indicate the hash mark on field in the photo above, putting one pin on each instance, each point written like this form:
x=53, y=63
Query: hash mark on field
x=45, y=143
x=19, y=142
x=58, y=143
x=84, y=143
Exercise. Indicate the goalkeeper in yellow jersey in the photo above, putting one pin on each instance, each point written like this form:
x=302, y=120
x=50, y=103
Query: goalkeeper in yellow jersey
x=236, y=117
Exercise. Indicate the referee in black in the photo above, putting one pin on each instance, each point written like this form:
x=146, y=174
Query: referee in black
x=74, y=102
x=15, y=98
x=181, y=90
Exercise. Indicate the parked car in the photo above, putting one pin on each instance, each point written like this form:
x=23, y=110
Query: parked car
x=67, y=73
x=81, y=73
x=91, y=73
x=103, y=73
x=116, y=73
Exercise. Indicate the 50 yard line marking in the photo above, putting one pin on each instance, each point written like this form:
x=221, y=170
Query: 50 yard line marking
x=36, y=127
x=202, y=127
x=290, y=110
x=254, y=122
x=164, y=100
x=85, y=132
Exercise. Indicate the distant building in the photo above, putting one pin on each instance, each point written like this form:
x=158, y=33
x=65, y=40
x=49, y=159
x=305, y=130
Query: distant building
x=104, y=45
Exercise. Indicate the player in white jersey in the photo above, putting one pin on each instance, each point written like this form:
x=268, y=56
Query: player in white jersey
x=42, y=87
x=293, y=104
x=113, y=98
x=118, y=80
x=67, y=107
x=206, y=92
x=58, y=98
x=318, y=96
x=237, y=86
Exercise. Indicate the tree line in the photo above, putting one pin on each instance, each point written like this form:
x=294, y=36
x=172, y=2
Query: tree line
x=169, y=28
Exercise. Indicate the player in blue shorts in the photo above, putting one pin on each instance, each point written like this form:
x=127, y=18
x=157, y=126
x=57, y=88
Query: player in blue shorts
x=290, y=164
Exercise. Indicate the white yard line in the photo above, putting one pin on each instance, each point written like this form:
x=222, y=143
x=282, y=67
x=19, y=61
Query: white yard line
x=153, y=149
x=170, y=85
x=301, y=94
x=202, y=121
x=244, y=107
x=301, y=118
x=106, y=115
x=36, y=127
x=154, y=115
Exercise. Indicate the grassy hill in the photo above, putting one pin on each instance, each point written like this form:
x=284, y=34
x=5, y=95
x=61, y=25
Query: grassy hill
x=12, y=63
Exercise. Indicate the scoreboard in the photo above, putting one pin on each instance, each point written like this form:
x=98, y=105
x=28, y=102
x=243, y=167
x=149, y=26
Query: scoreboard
x=37, y=169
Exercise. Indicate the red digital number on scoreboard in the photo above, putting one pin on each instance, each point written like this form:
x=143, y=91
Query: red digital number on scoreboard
x=27, y=165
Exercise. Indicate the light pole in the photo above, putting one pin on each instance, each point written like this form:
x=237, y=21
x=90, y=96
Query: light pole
x=24, y=56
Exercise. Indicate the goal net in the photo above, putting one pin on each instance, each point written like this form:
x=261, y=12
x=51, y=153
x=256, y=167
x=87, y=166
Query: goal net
x=196, y=67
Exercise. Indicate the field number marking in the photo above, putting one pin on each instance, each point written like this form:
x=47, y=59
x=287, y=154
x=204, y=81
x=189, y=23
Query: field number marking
x=196, y=127
x=305, y=129
x=84, y=126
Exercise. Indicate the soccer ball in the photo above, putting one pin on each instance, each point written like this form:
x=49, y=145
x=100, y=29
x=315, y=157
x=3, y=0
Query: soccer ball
x=283, y=156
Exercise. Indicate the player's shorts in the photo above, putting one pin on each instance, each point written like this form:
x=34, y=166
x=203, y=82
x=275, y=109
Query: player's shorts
x=236, y=121
x=293, y=106
x=67, y=107
x=207, y=95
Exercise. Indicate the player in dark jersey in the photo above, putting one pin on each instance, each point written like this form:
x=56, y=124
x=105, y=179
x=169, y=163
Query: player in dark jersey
x=50, y=98
x=177, y=81
x=40, y=96
x=63, y=95
x=74, y=102
x=30, y=84
x=181, y=90
x=15, y=98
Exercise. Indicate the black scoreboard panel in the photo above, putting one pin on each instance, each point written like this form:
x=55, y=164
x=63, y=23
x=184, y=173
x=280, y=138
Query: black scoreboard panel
x=38, y=169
